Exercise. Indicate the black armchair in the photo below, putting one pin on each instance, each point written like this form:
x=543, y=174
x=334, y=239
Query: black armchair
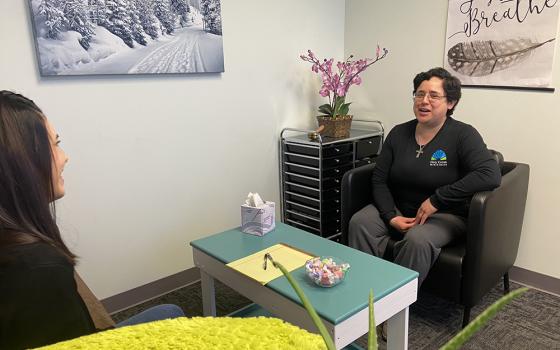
x=465, y=271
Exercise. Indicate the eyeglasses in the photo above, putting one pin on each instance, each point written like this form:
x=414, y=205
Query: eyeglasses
x=432, y=96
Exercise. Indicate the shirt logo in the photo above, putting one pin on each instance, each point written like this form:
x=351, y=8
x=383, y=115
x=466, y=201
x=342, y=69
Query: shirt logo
x=439, y=158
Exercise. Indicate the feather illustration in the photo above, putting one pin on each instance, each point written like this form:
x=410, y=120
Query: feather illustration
x=480, y=58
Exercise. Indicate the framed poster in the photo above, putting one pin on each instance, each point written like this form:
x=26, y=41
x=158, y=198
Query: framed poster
x=77, y=37
x=506, y=43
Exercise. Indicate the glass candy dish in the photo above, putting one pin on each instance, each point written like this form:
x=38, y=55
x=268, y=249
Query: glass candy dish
x=326, y=271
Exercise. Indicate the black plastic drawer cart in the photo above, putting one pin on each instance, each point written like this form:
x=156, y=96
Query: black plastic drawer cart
x=311, y=173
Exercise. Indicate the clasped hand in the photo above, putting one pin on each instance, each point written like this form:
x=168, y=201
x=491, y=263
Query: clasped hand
x=403, y=224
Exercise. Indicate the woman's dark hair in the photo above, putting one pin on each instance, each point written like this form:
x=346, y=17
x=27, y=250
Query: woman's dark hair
x=451, y=84
x=27, y=211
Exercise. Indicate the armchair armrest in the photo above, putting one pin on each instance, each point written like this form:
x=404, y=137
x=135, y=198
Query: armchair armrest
x=355, y=194
x=494, y=229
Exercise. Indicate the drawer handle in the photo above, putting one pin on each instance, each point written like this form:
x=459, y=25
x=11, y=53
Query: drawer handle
x=336, y=171
x=336, y=150
x=337, y=160
x=370, y=142
x=336, y=190
x=336, y=181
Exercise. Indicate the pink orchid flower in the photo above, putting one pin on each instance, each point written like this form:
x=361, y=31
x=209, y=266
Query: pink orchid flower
x=336, y=84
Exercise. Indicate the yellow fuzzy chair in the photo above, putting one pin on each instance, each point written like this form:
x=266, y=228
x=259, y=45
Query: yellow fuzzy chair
x=200, y=333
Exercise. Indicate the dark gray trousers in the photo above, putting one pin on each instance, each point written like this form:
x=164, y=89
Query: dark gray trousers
x=419, y=248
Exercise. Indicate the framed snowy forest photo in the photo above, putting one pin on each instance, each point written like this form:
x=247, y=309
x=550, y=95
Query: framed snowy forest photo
x=502, y=43
x=84, y=37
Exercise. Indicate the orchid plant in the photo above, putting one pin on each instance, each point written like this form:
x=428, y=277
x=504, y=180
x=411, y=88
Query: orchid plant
x=337, y=83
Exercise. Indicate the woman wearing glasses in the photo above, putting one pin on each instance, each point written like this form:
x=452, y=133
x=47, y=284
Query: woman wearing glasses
x=42, y=299
x=427, y=171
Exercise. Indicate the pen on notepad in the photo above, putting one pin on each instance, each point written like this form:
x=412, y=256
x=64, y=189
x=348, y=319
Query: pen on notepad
x=266, y=257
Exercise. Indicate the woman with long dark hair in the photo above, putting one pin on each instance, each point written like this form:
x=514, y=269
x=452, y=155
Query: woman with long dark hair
x=42, y=299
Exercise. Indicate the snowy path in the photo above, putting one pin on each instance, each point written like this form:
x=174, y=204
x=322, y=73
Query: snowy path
x=188, y=50
x=181, y=55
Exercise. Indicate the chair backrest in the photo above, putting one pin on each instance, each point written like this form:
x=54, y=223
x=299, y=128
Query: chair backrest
x=499, y=158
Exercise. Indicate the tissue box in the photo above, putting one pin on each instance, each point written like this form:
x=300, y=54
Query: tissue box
x=258, y=221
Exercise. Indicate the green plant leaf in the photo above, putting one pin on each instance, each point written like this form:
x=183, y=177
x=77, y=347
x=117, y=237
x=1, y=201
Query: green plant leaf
x=458, y=340
x=339, y=101
x=344, y=109
x=325, y=109
x=307, y=304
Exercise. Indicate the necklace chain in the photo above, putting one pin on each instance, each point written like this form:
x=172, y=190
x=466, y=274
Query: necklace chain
x=420, y=149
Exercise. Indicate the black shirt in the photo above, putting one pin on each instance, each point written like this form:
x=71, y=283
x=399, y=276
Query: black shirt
x=39, y=300
x=453, y=166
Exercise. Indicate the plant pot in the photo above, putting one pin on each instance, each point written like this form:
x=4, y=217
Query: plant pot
x=336, y=127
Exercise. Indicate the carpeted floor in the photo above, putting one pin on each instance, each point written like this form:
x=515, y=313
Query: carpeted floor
x=531, y=321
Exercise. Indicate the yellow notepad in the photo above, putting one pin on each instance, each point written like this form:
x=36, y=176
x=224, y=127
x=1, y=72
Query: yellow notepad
x=252, y=265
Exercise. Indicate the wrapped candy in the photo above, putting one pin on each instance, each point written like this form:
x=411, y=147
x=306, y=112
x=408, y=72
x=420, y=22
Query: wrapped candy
x=326, y=271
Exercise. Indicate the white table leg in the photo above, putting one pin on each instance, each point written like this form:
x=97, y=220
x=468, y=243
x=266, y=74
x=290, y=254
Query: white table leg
x=208, y=294
x=397, y=331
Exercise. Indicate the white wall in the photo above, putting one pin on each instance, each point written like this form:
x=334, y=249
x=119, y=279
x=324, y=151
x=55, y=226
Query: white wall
x=157, y=161
x=523, y=125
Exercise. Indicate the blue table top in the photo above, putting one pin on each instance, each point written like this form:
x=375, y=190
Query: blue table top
x=333, y=304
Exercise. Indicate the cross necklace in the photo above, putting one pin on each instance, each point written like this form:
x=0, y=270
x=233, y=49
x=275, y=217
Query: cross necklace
x=427, y=137
x=419, y=151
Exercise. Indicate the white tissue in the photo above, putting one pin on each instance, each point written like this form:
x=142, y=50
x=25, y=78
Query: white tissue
x=254, y=200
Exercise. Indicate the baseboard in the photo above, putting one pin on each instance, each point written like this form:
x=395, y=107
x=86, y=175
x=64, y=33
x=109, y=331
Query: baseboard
x=151, y=290
x=535, y=279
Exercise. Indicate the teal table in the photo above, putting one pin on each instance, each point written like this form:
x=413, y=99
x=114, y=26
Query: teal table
x=343, y=308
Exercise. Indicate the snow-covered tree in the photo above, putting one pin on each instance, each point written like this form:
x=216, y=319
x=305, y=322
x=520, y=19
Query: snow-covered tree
x=162, y=10
x=212, y=17
x=136, y=27
x=181, y=9
x=98, y=11
x=148, y=20
x=77, y=19
x=53, y=12
x=118, y=20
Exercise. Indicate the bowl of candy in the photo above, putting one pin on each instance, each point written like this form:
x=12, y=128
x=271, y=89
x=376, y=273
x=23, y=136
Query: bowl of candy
x=326, y=271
